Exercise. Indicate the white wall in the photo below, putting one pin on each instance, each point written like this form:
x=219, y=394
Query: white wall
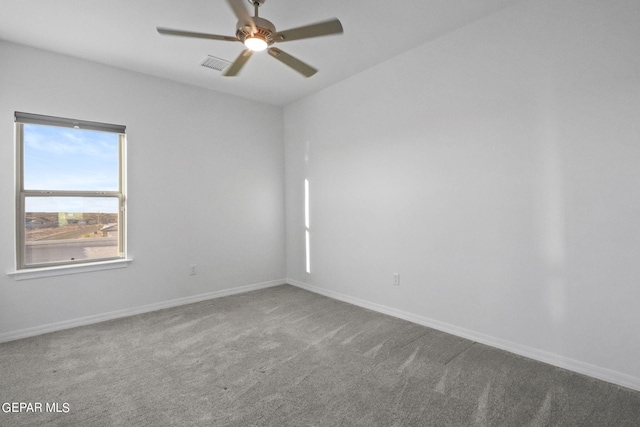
x=205, y=187
x=497, y=169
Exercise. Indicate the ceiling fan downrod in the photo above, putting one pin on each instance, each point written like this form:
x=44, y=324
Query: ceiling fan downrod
x=256, y=5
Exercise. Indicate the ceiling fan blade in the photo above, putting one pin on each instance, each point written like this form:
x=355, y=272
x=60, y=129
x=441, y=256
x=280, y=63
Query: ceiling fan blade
x=242, y=14
x=237, y=65
x=324, y=28
x=304, y=69
x=170, y=32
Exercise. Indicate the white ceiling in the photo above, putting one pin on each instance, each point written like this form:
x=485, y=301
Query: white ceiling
x=122, y=33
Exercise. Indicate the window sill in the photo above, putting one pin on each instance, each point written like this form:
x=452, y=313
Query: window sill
x=35, y=273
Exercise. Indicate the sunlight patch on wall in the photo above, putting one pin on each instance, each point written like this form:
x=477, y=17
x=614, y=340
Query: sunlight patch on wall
x=306, y=226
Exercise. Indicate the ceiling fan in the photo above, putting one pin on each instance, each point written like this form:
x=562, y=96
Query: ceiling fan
x=258, y=34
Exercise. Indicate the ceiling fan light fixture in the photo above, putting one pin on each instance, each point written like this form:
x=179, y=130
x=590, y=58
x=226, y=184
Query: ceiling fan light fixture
x=256, y=44
x=258, y=34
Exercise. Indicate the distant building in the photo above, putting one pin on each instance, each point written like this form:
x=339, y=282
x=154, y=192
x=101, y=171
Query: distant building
x=66, y=218
x=110, y=230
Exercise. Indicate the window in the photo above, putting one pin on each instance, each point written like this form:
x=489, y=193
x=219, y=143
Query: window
x=70, y=203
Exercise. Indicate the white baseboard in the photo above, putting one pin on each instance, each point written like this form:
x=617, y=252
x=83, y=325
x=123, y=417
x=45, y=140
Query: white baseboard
x=593, y=371
x=82, y=321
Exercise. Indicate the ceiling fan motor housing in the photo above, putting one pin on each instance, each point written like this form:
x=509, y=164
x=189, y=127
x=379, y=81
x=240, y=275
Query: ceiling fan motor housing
x=264, y=30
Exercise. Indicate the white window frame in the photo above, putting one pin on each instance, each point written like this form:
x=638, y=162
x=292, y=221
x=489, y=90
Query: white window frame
x=67, y=266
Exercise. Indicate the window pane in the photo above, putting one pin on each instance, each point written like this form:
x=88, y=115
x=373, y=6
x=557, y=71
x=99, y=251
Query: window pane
x=67, y=229
x=57, y=158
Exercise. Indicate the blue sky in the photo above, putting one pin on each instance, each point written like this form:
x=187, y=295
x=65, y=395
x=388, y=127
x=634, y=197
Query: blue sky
x=57, y=158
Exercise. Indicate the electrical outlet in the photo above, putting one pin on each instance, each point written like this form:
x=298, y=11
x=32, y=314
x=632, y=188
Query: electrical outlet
x=192, y=270
x=396, y=279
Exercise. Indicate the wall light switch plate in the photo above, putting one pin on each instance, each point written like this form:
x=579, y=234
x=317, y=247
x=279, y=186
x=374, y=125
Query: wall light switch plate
x=396, y=279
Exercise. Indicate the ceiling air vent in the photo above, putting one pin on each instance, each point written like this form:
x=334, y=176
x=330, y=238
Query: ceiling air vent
x=215, y=63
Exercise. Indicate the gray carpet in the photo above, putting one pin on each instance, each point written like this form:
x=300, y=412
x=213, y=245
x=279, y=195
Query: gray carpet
x=287, y=357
